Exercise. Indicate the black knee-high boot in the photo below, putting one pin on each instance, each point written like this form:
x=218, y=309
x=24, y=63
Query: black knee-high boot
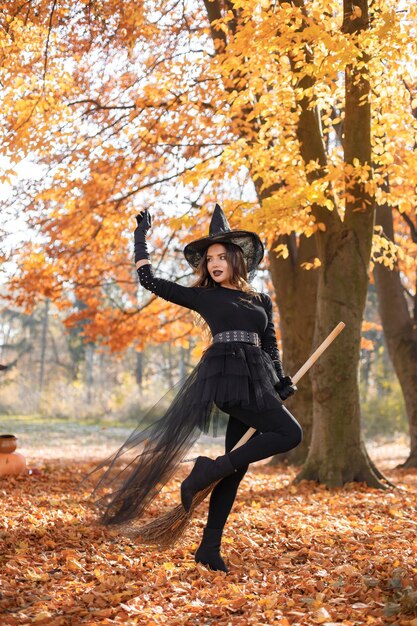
x=204, y=473
x=208, y=553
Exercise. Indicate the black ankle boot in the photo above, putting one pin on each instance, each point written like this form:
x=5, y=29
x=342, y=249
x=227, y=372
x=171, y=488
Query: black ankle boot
x=204, y=473
x=208, y=553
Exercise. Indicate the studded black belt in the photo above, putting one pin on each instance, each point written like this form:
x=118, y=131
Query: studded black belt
x=237, y=335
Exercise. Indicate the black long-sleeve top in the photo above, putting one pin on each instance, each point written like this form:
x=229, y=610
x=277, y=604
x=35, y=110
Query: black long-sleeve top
x=222, y=308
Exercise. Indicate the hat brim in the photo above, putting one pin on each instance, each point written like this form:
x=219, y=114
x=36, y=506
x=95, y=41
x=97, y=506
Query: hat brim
x=250, y=244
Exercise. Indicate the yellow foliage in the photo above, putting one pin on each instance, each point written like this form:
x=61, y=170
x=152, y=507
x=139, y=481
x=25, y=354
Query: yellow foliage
x=313, y=265
x=281, y=250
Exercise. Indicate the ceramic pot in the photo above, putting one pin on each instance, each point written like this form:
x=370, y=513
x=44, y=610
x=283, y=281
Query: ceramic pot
x=8, y=444
x=12, y=464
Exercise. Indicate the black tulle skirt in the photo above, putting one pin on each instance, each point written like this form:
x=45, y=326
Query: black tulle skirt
x=232, y=374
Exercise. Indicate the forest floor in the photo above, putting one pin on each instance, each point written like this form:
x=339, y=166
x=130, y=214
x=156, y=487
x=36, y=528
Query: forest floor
x=298, y=554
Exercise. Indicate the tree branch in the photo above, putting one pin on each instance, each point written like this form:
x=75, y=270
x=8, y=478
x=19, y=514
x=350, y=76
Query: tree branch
x=45, y=64
x=412, y=226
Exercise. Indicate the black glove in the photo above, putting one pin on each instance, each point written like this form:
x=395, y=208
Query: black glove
x=285, y=387
x=144, y=222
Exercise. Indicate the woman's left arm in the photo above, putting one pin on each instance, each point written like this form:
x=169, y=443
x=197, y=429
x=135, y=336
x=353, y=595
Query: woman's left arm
x=269, y=339
x=269, y=345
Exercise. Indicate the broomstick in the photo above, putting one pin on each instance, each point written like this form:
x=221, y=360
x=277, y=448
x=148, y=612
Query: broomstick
x=167, y=529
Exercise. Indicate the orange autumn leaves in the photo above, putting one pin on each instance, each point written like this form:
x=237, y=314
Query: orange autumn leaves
x=298, y=555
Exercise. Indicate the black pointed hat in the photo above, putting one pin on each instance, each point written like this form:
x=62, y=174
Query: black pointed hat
x=250, y=244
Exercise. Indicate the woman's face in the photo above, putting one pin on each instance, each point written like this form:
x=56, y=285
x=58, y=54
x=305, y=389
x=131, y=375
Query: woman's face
x=217, y=265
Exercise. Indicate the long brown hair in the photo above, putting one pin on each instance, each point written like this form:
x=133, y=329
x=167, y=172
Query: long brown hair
x=239, y=279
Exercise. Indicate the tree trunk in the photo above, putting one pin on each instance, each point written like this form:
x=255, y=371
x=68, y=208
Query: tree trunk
x=296, y=291
x=170, y=366
x=400, y=332
x=337, y=453
x=139, y=369
x=89, y=375
x=181, y=368
x=44, y=336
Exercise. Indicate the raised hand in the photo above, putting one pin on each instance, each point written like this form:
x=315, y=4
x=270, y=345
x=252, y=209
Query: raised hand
x=144, y=221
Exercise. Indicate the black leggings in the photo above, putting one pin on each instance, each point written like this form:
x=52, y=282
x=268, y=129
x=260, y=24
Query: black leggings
x=277, y=431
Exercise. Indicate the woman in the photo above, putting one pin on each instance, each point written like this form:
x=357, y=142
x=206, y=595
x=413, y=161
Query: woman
x=240, y=373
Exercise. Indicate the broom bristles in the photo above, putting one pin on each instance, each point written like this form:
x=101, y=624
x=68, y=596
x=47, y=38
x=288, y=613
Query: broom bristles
x=167, y=529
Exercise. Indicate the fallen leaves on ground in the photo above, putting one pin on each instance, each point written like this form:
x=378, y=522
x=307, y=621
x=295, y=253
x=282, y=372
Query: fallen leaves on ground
x=298, y=554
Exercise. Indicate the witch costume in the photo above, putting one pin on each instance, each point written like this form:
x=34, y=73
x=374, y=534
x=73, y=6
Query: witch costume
x=240, y=374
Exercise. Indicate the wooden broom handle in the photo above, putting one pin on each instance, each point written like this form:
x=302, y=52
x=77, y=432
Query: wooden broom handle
x=303, y=369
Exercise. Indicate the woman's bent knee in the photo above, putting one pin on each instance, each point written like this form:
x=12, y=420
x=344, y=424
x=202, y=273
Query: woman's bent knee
x=290, y=429
x=240, y=473
x=297, y=436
